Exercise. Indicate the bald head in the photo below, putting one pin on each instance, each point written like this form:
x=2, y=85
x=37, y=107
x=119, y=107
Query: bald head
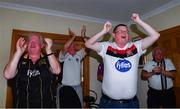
x=158, y=54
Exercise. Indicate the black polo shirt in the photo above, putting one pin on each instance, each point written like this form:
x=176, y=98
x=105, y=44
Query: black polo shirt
x=33, y=83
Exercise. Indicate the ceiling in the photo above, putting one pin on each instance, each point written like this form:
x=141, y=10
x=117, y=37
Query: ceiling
x=94, y=10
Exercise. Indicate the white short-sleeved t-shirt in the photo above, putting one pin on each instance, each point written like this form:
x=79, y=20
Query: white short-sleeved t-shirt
x=72, y=67
x=120, y=69
x=155, y=80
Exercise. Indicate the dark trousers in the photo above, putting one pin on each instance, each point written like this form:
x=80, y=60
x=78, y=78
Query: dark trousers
x=158, y=98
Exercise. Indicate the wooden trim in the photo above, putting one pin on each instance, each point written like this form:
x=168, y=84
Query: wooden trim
x=171, y=30
x=169, y=40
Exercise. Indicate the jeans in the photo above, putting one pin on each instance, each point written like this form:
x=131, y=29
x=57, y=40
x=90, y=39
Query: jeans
x=110, y=103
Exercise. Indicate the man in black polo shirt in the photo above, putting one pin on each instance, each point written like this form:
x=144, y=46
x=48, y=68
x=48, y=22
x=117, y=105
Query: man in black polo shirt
x=32, y=72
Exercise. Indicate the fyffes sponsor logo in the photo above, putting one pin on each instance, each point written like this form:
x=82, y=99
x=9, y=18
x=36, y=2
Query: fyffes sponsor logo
x=123, y=65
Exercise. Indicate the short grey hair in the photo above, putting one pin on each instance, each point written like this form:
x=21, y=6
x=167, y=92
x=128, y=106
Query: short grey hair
x=38, y=35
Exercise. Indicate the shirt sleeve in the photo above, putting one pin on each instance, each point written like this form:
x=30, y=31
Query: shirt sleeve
x=169, y=65
x=103, y=49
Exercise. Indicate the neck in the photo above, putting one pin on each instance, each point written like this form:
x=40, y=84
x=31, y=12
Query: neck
x=121, y=45
x=157, y=60
x=34, y=58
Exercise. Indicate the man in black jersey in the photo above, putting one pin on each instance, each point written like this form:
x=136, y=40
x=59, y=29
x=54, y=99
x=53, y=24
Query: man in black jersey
x=32, y=72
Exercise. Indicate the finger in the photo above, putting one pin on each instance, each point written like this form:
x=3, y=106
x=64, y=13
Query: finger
x=70, y=32
x=25, y=46
x=84, y=27
x=21, y=42
x=18, y=42
x=46, y=40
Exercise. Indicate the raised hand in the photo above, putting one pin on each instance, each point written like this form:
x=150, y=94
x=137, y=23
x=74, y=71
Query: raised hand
x=157, y=70
x=49, y=43
x=83, y=31
x=135, y=17
x=71, y=33
x=21, y=45
x=107, y=27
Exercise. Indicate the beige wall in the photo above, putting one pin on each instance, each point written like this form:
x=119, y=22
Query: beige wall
x=167, y=19
x=12, y=19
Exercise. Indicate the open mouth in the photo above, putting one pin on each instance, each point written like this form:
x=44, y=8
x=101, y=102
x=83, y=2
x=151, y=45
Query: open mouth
x=123, y=36
x=32, y=46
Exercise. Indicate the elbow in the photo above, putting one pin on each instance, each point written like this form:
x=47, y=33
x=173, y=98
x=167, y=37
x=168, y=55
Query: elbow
x=9, y=73
x=7, y=76
x=143, y=78
x=157, y=35
x=87, y=45
x=57, y=70
x=144, y=75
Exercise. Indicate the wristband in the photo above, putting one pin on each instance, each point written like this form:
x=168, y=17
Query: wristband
x=49, y=54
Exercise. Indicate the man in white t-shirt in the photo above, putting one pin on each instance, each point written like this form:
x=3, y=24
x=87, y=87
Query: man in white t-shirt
x=160, y=73
x=70, y=60
x=121, y=59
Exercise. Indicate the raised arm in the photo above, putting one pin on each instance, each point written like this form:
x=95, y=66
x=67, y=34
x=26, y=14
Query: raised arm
x=92, y=42
x=153, y=35
x=69, y=42
x=10, y=69
x=83, y=35
x=55, y=66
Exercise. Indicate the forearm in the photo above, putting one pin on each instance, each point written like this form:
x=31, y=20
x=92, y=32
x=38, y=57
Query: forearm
x=54, y=64
x=145, y=75
x=11, y=68
x=69, y=42
x=92, y=42
x=153, y=35
x=170, y=74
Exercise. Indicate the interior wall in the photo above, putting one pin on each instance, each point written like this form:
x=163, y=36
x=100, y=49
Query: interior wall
x=165, y=20
x=13, y=19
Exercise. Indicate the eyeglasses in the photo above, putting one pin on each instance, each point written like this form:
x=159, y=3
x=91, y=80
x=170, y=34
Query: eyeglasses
x=121, y=31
